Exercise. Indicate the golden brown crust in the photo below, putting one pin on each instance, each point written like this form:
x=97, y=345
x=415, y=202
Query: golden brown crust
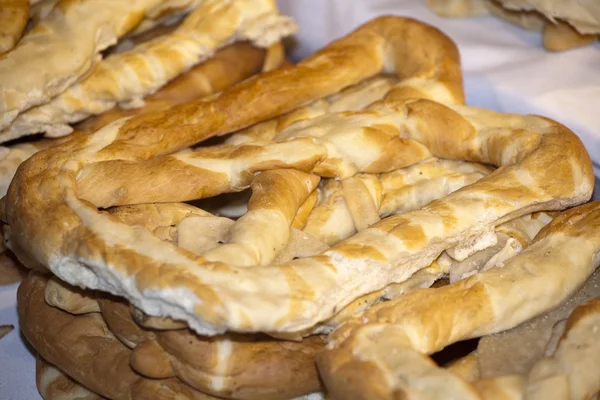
x=232, y=286
x=42, y=72
x=13, y=20
x=88, y=333
x=125, y=78
x=439, y=63
x=53, y=384
x=117, y=315
x=85, y=349
x=306, y=291
x=11, y=270
x=560, y=36
x=425, y=321
x=243, y=367
x=228, y=66
x=231, y=366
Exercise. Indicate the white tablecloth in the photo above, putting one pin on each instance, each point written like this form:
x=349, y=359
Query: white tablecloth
x=505, y=69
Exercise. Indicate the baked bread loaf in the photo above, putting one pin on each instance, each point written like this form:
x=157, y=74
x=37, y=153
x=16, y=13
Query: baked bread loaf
x=126, y=154
x=245, y=367
x=125, y=78
x=53, y=384
x=564, y=25
x=35, y=70
x=87, y=351
x=495, y=300
x=128, y=76
x=232, y=64
x=347, y=190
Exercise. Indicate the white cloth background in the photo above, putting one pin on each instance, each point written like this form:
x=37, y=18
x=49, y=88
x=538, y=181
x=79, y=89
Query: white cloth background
x=505, y=69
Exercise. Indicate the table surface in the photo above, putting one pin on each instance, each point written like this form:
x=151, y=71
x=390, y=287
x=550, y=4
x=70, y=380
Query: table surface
x=17, y=362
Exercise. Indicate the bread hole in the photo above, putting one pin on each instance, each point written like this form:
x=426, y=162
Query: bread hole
x=455, y=351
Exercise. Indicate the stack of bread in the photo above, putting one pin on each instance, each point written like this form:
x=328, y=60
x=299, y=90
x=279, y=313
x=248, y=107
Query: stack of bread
x=95, y=61
x=318, y=230
x=564, y=24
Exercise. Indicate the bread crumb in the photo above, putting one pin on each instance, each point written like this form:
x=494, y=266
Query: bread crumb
x=5, y=330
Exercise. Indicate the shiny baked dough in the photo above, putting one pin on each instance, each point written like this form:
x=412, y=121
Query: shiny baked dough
x=14, y=15
x=125, y=78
